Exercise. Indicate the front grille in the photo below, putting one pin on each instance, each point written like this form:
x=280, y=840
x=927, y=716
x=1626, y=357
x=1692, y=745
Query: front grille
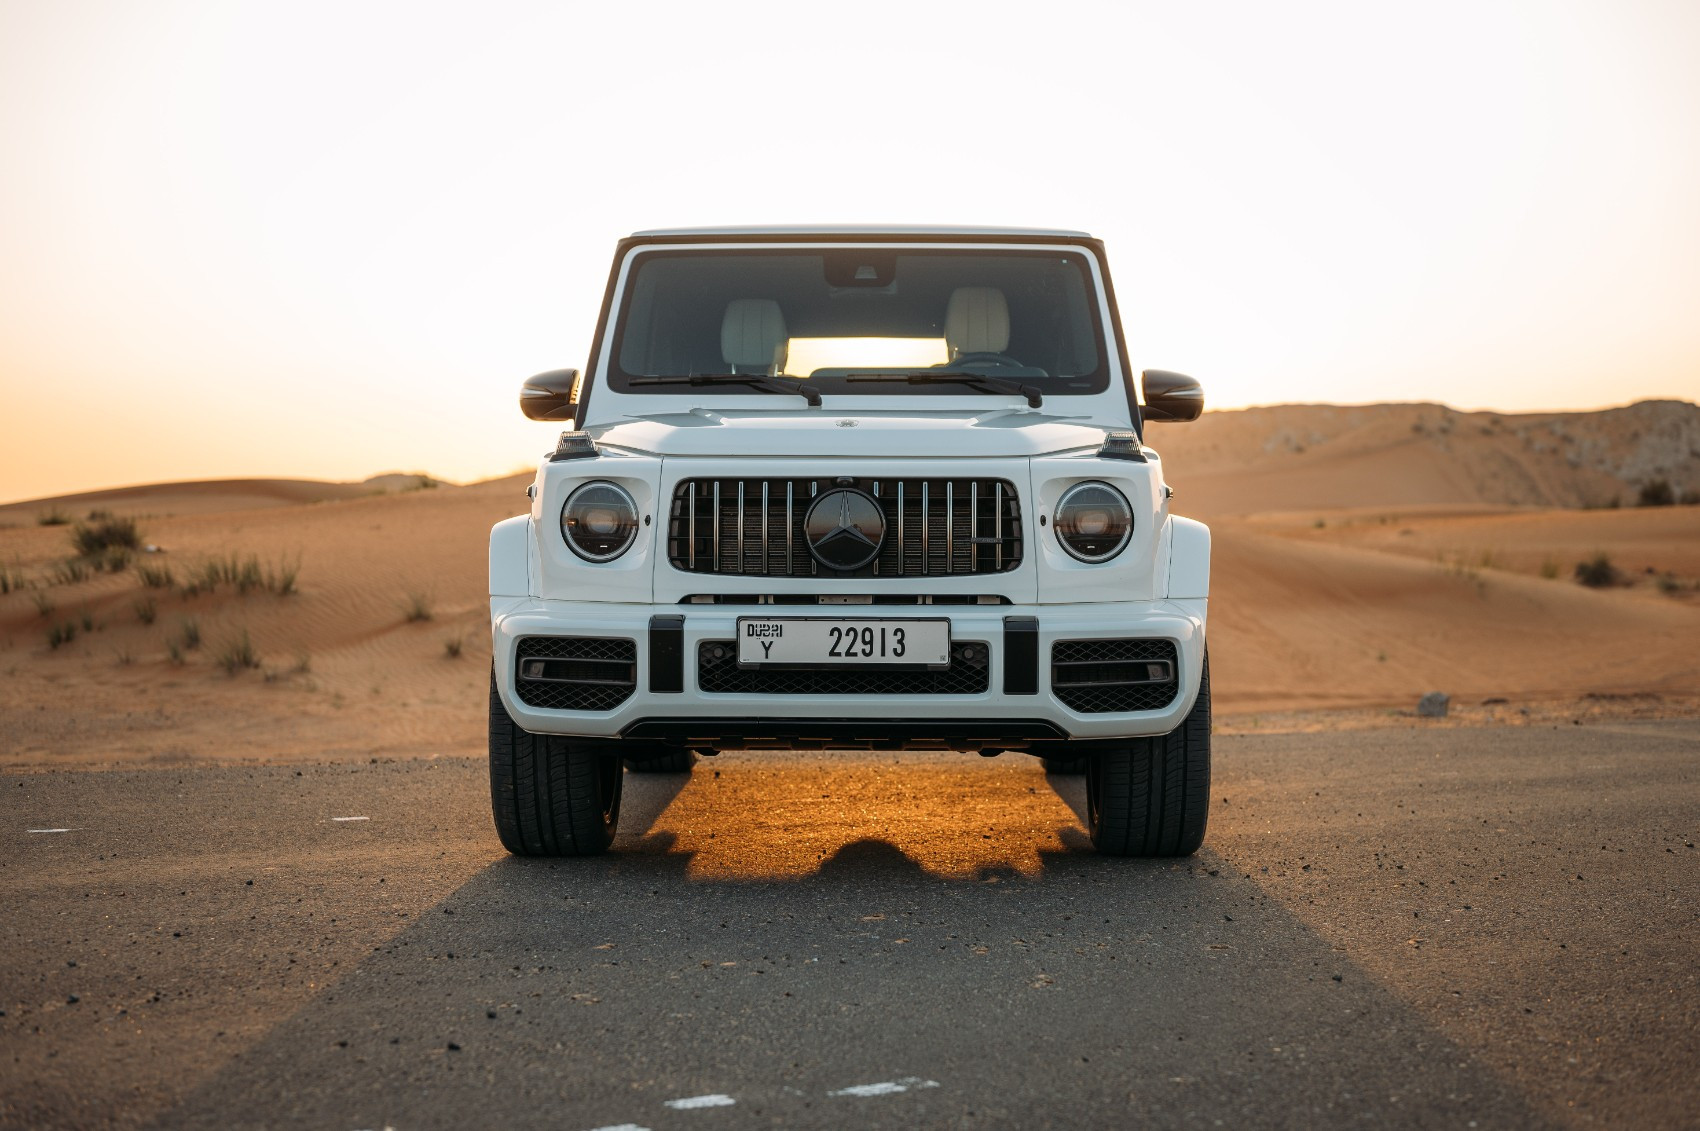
x=575, y=673
x=718, y=673
x=933, y=527
x=1099, y=676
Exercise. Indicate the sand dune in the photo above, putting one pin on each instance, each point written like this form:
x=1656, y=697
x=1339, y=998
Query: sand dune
x=1296, y=457
x=1349, y=591
x=207, y=496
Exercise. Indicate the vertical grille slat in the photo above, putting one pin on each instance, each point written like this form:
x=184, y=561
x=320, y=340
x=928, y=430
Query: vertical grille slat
x=926, y=530
x=901, y=546
x=731, y=526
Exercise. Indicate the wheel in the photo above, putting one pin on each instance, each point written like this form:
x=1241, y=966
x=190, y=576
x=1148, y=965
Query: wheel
x=659, y=759
x=1064, y=765
x=551, y=795
x=1152, y=798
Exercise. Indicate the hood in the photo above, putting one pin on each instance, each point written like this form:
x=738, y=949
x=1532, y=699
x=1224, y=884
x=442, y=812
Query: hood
x=1016, y=433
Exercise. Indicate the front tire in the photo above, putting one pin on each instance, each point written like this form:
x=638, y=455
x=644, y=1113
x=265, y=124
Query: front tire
x=1152, y=798
x=551, y=795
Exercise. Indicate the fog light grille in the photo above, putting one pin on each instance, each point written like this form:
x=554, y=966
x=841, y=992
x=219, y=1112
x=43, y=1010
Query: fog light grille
x=1103, y=676
x=575, y=673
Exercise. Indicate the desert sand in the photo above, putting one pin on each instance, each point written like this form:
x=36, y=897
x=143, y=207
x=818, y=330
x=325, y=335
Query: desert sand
x=1363, y=556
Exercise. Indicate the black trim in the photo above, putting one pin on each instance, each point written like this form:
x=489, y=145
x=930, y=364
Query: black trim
x=1021, y=655
x=588, y=383
x=1133, y=409
x=667, y=653
x=732, y=734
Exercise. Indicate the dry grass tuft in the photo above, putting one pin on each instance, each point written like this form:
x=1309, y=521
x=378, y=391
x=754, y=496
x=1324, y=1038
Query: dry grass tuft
x=237, y=654
x=417, y=608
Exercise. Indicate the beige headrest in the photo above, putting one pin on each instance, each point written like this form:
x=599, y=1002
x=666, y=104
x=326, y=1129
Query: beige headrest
x=753, y=334
x=977, y=321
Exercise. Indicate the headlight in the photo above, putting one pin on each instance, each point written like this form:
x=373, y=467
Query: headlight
x=599, y=521
x=1093, y=521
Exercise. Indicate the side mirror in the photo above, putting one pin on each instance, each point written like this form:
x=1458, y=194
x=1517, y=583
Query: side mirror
x=549, y=396
x=1171, y=398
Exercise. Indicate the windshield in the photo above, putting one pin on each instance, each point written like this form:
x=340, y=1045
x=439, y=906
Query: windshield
x=835, y=318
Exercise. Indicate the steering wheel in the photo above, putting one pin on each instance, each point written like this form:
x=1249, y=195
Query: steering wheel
x=983, y=359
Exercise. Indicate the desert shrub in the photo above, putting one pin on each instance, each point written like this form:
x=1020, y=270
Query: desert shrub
x=145, y=611
x=1656, y=493
x=452, y=647
x=1597, y=572
x=1669, y=584
x=10, y=579
x=43, y=605
x=245, y=574
x=1549, y=568
x=237, y=653
x=154, y=576
x=88, y=621
x=53, y=518
x=417, y=607
x=191, y=634
x=71, y=571
x=123, y=656
x=62, y=633
x=281, y=578
x=115, y=560
x=103, y=533
x=174, y=652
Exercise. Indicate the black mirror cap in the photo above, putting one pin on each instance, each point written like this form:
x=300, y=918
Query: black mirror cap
x=1171, y=398
x=549, y=396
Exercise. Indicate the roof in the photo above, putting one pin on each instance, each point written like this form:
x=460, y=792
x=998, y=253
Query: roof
x=863, y=230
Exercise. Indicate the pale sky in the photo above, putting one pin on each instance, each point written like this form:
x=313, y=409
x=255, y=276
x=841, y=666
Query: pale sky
x=330, y=240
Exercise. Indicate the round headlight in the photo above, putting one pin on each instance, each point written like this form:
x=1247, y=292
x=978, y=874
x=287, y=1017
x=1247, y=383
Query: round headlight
x=1093, y=521
x=599, y=521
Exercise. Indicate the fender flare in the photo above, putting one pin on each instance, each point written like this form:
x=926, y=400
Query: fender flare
x=1189, y=559
x=510, y=557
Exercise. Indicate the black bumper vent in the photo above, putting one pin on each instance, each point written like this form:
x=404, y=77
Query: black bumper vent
x=933, y=527
x=575, y=673
x=718, y=673
x=1101, y=676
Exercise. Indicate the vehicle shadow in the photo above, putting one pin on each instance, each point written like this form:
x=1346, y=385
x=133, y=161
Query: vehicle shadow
x=977, y=981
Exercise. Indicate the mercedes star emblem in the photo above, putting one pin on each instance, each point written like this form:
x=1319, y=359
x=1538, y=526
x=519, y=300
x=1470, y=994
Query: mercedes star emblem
x=844, y=529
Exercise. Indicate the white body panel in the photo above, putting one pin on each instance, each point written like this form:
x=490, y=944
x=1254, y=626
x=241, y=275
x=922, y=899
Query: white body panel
x=1156, y=588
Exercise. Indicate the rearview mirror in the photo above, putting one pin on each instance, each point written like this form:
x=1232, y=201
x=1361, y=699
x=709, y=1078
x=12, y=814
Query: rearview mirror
x=1171, y=398
x=549, y=396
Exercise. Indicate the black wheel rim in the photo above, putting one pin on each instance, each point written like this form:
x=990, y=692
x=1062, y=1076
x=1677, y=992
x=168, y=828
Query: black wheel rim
x=609, y=778
x=1092, y=798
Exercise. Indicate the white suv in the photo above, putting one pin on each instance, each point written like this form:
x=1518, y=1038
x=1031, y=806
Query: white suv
x=845, y=487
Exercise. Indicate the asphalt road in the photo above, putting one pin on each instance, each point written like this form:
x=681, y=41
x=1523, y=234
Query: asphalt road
x=1449, y=927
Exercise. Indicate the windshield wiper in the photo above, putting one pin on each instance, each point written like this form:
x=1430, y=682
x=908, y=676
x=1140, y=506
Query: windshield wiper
x=754, y=380
x=980, y=381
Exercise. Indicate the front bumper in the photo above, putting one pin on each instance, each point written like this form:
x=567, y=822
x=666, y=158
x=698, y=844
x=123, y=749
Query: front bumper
x=992, y=717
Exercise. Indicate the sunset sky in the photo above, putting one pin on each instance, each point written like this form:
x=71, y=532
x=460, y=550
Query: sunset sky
x=329, y=240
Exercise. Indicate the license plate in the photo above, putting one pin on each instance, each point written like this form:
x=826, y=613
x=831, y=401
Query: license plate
x=834, y=641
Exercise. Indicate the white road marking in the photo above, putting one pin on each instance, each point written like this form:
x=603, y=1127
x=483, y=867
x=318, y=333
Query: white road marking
x=886, y=1087
x=620, y=1127
x=690, y=1102
x=351, y=818
x=52, y=830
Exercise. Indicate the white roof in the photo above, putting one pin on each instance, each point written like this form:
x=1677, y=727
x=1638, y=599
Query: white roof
x=865, y=230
